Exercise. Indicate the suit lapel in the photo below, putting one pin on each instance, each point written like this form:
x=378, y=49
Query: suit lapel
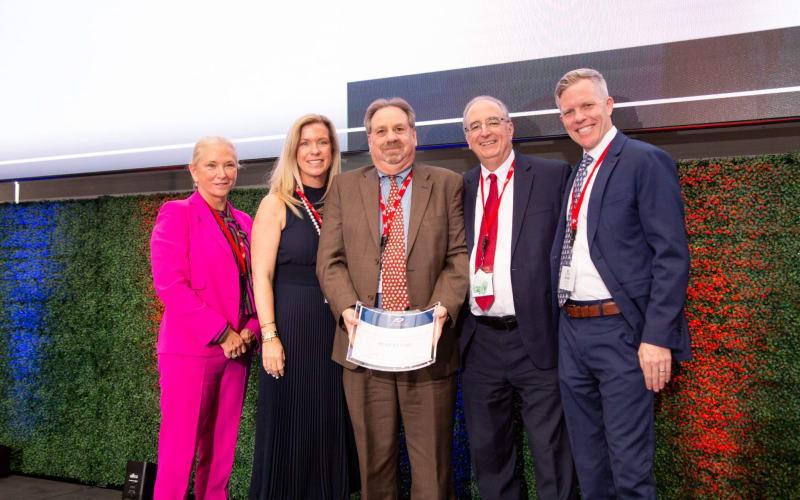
x=568, y=187
x=211, y=229
x=523, y=171
x=562, y=217
x=470, y=196
x=420, y=194
x=240, y=220
x=369, y=188
x=600, y=183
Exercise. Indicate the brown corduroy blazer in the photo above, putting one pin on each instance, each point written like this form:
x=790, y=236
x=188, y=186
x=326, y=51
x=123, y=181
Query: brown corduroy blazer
x=437, y=259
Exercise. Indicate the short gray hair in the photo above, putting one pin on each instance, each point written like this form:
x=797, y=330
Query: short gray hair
x=212, y=139
x=378, y=104
x=576, y=75
x=476, y=100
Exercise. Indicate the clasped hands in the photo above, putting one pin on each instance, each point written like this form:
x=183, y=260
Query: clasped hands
x=235, y=344
x=350, y=322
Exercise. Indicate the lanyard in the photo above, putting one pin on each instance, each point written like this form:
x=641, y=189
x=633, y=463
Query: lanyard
x=576, y=207
x=309, y=205
x=240, y=254
x=386, y=218
x=488, y=222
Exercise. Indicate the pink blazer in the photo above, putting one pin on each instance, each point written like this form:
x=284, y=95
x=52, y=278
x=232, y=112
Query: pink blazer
x=195, y=275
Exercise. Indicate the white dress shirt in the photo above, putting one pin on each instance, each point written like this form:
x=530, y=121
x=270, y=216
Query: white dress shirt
x=503, y=304
x=588, y=283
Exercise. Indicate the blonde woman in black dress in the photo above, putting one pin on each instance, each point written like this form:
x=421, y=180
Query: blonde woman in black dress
x=303, y=435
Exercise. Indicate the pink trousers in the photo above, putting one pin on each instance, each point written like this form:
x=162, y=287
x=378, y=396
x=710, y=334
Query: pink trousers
x=201, y=404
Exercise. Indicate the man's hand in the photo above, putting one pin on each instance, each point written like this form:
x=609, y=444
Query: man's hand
x=350, y=322
x=656, y=363
x=439, y=313
x=232, y=344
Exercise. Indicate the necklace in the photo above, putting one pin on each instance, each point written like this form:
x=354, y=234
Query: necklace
x=315, y=218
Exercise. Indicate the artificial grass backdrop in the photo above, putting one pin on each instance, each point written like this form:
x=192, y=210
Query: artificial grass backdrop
x=79, y=319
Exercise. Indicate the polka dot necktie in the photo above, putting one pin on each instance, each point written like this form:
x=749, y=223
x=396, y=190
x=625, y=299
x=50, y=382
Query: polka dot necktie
x=484, y=256
x=566, y=247
x=394, y=287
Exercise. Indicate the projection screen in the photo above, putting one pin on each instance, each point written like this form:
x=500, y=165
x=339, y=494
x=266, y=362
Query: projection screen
x=104, y=85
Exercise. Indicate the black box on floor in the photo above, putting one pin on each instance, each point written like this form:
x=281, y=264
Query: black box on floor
x=5, y=461
x=140, y=478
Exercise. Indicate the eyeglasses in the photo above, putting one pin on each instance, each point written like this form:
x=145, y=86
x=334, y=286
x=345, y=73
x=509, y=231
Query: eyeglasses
x=491, y=122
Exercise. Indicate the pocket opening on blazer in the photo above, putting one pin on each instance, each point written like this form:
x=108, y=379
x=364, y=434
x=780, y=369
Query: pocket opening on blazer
x=197, y=284
x=617, y=198
x=637, y=288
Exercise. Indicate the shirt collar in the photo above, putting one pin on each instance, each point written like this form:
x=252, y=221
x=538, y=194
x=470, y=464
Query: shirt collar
x=502, y=171
x=596, y=151
x=402, y=175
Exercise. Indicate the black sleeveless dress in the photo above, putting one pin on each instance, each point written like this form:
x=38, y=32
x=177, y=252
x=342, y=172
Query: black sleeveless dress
x=304, y=446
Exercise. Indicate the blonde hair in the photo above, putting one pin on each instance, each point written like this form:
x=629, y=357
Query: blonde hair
x=285, y=176
x=200, y=145
x=212, y=139
x=576, y=75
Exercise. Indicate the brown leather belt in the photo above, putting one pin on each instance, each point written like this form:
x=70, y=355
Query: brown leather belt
x=607, y=308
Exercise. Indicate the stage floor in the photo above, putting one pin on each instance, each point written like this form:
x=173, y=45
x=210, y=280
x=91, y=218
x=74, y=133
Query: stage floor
x=30, y=488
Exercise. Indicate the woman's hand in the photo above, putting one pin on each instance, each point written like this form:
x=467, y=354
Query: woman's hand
x=232, y=344
x=247, y=336
x=272, y=357
x=265, y=238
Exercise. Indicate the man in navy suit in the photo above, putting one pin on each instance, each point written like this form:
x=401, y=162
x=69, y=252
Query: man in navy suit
x=620, y=267
x=508, y=339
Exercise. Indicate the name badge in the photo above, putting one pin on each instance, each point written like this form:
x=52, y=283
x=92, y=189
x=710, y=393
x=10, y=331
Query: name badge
x=482, y=284
x=567, y=279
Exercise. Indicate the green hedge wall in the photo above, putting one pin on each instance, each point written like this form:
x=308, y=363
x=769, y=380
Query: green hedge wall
x=79, y=388
x=728, y=425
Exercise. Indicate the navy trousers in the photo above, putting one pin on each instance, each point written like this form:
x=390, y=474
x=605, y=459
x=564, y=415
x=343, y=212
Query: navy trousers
x=608, y=409
x=495, y=364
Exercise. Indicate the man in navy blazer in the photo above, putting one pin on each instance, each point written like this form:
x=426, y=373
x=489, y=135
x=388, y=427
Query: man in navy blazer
x=620, y=268
x=508, y=339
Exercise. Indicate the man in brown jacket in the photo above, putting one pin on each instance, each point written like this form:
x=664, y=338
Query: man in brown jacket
x=428, y=228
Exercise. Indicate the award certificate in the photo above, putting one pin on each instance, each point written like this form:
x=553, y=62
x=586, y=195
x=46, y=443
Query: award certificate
x=393, y=341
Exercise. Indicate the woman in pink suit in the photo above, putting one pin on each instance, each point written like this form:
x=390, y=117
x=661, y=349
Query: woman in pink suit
x=200, y=252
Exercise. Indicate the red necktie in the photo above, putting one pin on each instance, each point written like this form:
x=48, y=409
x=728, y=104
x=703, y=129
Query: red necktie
x=485, y=254
x=394, y=287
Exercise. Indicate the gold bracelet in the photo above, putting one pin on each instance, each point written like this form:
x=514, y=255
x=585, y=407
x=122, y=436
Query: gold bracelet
x=267, y=337
x=264, y=325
